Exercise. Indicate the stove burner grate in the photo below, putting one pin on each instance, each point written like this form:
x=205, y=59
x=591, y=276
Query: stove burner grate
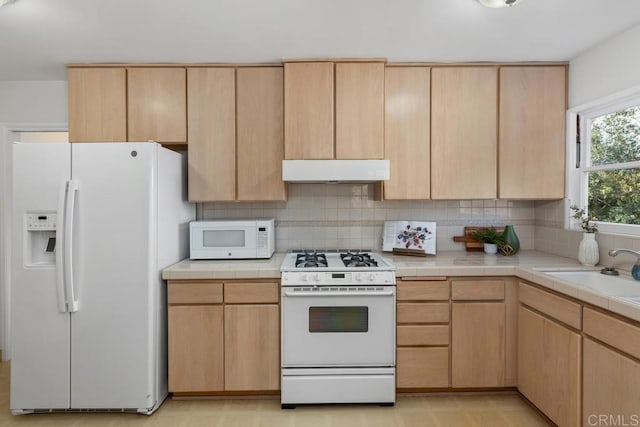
x=358, y=260
x=311, y=259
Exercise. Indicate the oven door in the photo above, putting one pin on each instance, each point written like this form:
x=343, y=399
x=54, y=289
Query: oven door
x=345, y=326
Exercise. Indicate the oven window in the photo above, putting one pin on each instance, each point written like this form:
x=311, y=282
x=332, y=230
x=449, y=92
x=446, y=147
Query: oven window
x=223, y=238
x=338, y=319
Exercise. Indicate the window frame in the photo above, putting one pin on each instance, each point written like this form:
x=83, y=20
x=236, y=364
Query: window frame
x=577, y=177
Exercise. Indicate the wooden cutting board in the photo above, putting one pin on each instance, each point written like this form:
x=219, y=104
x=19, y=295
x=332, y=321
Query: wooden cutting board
x=471, y=244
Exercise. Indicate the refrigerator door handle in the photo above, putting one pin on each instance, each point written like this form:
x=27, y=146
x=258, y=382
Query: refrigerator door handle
x=72, y=303
x=60, y=292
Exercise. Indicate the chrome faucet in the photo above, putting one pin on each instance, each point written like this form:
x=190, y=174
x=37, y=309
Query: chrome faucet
x=615, y=252
x=635, y=271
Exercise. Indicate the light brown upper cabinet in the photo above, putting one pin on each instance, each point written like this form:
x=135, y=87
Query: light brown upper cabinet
x=260, y=133
x=235, y=133
x=97, y=104
x=360, y=110
x=532, y=132
x=310, y=108
x=157, y=104
x=212, y=134
x=464, y=132
x=407, y=132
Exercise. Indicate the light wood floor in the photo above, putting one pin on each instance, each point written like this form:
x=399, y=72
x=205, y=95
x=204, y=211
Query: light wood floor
x=494, y=410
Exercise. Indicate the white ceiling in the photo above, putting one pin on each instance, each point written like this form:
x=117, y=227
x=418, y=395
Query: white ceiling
x=37, y=37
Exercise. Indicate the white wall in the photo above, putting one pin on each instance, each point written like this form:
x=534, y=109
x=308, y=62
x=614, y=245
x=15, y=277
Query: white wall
x=33, y=101
x=607, y=68
x=24, y=105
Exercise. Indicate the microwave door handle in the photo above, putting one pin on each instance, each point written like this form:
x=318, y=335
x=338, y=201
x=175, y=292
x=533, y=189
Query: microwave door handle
x=72, y=303
x=59, y=248
x=337, y=294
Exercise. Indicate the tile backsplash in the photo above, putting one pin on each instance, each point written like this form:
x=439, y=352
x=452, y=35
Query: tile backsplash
x=551, y=237
x=339, y=216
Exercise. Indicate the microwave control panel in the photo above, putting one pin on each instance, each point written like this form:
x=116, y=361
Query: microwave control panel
x=262, y=239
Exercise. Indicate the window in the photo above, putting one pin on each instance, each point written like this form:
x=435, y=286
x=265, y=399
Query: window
x=606, y=176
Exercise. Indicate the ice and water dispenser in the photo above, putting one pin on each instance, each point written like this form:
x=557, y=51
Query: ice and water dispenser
x=41, y=239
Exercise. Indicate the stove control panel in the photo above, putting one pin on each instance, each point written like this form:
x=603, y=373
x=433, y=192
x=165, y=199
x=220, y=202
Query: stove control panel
x=294, y=278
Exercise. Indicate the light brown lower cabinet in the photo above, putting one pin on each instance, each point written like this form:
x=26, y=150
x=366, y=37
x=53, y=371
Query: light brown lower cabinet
x=422, y=354
x=415, y=335
x=478, y=344
x=252, y=347
x=549, y=367
x=611, y=386
x=223, y=336
x=226, y=337
x=422, y=367
x=196, y=348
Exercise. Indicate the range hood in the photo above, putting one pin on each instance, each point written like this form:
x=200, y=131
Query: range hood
x=335, y=170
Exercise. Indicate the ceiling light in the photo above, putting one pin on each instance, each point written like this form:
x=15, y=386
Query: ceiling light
x=498, y=3
x=6, y=2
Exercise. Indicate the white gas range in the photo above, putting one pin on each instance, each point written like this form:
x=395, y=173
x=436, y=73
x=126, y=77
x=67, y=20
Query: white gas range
x=338, y=328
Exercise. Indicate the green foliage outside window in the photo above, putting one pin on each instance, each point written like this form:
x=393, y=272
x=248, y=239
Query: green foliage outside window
x=614, y=195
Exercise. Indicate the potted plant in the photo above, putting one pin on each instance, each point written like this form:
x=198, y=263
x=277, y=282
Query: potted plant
x=491, y=238
x=588, y=251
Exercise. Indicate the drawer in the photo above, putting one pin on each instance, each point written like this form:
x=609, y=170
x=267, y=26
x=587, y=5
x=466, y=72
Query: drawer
x=238, y=292
x=422, y=335
x=422, y=313
x=615, y=332
x=422, y=290
x=422, y=367
x=185, y=292
x=556, y=307
x=477, y=290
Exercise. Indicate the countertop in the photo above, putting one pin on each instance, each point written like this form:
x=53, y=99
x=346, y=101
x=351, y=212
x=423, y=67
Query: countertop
x=526, y=265
x=459, y=263
x=225, y=269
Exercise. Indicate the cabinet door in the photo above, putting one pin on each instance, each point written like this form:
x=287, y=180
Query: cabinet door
x=157, y=104
x=464, y=108
x=260, y=133
x=252, y=347
x=478, y=344
x=549, y=371
x=97, y=104
x=360, y=110
x=611, y=383
x=532, y=132
x=195, y=348
x=308, y=110
x=422, y=367
x=212, y=134
x=408, y=132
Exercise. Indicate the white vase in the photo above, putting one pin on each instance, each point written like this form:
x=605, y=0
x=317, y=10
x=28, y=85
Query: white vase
x=490, y=248
x=588, y=251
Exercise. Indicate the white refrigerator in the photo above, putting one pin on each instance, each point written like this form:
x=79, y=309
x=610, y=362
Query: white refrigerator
x=93, y=226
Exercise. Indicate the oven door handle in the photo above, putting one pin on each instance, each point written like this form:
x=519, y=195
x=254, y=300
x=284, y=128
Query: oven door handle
x=338, y=294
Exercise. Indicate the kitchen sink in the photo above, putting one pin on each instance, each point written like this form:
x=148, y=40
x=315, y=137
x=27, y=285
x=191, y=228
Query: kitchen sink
x=617, y=286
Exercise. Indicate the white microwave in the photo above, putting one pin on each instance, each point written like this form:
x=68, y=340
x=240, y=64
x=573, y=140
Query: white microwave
x=232, y=239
